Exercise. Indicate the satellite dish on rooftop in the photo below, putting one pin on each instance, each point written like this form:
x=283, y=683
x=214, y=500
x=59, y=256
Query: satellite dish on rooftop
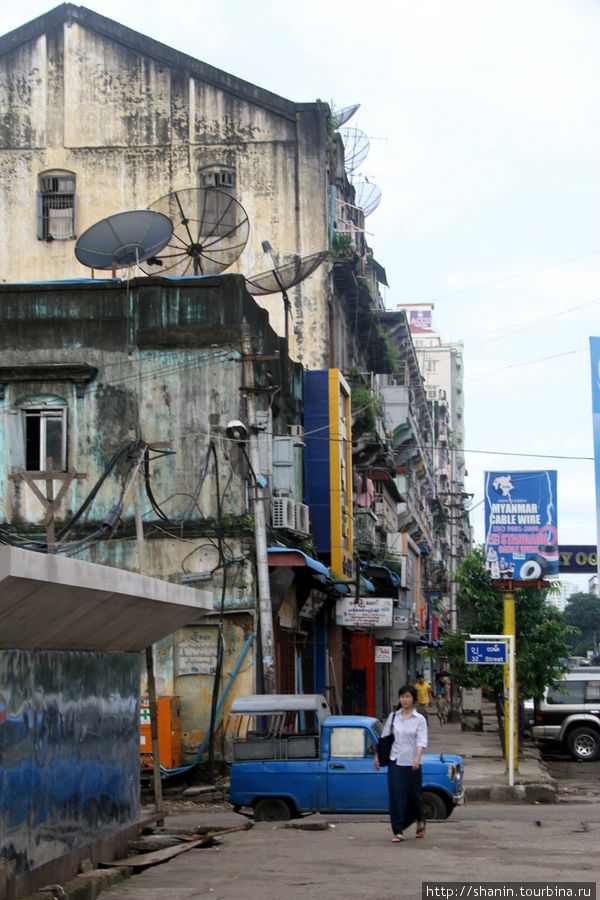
x=210, y=231
x=341, y=116
x=124, y=239
x=368, y=196
x=356, y=147
x=283, y=276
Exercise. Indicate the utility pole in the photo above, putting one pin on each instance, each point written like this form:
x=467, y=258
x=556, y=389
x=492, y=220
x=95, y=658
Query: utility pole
x=141, y=551
x=265, y=608
x=134, y=481
x=49, y=502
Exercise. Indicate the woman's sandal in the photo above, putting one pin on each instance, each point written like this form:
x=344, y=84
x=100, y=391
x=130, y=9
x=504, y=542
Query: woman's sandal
x=420, y=829
x=397, y=839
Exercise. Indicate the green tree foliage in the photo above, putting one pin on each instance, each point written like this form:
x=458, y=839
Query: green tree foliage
x=541, y=631
x=582, y=612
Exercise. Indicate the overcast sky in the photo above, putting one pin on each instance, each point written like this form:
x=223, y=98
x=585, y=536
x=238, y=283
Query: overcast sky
x=483, y=122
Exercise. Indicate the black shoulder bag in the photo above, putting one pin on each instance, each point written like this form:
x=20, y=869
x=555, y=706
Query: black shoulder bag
x=384, y=745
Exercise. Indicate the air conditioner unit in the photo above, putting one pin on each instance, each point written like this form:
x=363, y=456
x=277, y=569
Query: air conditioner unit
x=283, y=513
x=302, y=519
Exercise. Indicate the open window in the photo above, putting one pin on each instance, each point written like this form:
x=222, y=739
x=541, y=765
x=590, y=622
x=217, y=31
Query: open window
x=56, y=206
x=45, y=434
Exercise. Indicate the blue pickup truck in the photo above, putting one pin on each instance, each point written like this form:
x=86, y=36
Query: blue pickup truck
x=290, y=756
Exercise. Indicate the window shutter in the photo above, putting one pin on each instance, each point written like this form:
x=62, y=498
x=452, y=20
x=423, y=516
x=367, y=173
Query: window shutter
x=283, y=465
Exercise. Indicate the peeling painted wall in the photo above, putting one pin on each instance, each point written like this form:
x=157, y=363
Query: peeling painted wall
x=69, y=751
x=164, y=360
x=134, y=121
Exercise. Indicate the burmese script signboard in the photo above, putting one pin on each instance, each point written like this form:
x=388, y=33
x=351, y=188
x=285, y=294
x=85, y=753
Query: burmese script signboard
x=366, y=612
x=197, y=651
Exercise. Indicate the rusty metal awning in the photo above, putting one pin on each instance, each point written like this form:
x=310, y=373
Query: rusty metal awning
x=48, y=602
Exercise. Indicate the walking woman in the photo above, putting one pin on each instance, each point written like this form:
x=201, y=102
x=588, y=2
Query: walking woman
x=404, y=771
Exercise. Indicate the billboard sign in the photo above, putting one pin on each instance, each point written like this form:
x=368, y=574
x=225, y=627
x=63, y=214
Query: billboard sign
x=366, y=612
x=581, y=558
x=419, y=320
x=521, y=539
x=595, y=363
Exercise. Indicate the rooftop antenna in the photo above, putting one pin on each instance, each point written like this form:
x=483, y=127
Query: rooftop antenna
x=210, y=231
x=123, y=239
x=356, y=147
x=281, y=277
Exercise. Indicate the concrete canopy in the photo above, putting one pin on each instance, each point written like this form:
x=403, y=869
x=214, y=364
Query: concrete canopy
x=52, y=603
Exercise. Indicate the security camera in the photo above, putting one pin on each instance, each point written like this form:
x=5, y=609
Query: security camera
x=236, y=431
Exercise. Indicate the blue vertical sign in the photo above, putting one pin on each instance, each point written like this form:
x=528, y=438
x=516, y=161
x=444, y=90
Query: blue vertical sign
x=521, y=540
x=595, y=362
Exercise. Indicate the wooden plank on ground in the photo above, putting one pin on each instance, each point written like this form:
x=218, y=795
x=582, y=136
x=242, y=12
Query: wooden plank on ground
x=158, y=856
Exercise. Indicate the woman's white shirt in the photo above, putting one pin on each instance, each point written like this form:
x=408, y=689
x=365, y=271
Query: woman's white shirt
x=409, y=734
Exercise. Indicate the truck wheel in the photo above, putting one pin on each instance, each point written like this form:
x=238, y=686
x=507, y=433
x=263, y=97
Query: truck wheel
x=272, y=809
x=433, y=806
x=584, y=743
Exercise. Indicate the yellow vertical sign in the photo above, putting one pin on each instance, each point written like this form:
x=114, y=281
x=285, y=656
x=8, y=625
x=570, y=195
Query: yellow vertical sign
x=340, y=474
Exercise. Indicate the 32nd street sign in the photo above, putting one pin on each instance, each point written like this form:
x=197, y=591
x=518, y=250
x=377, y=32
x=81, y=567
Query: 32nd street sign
x=487, y=653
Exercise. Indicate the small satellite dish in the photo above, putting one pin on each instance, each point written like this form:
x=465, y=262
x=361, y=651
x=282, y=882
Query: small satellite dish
x=356, y=147
x=284, y=276
x=341, y=116
x=368, y=196
x=210, y=231
x=124, y=239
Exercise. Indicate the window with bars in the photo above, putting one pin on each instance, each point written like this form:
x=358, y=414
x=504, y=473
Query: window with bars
x=56, y=206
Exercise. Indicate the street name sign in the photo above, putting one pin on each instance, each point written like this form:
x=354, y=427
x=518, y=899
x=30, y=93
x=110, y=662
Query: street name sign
x=487, y=653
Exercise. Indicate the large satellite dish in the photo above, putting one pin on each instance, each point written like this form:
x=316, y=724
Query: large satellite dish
x=368, y=196
x=283, y=276
x=341, y=116
x=356, y=147
x=124, y=239
x=210, y=231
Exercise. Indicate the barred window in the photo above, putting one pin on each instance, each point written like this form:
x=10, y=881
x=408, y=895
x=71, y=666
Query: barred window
x=56, y=206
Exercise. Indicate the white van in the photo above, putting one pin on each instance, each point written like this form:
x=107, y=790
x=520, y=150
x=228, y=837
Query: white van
x=570, y=713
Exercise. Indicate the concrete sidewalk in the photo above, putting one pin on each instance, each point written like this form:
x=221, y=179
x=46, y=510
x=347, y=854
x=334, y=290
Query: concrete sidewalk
x=486, y=776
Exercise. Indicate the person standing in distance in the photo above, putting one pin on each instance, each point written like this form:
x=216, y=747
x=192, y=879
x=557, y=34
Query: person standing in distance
x=404, y=770
x=424, y=698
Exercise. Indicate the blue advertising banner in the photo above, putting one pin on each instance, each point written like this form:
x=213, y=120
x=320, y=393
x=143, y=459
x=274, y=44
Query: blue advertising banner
x=521, y=539
x=595, y=361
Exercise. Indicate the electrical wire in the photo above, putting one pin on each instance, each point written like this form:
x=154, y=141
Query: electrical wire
x=117, y=455
x=479, y=287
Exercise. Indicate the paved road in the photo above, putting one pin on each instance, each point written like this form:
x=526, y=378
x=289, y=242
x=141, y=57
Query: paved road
x=356, y=859
x=576, y=779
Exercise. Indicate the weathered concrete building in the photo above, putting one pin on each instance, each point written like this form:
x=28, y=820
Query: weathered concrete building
x=105, y=377
x=96, y=118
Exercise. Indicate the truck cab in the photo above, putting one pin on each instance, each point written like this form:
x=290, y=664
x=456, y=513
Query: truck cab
x=290, y=756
